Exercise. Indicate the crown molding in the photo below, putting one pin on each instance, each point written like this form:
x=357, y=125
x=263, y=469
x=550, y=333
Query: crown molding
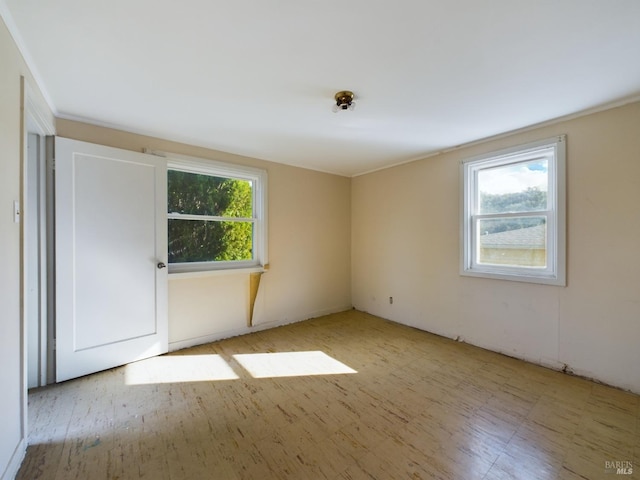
x=10, y=23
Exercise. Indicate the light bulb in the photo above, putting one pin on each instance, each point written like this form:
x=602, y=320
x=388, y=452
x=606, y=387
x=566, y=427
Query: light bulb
x=343, y=106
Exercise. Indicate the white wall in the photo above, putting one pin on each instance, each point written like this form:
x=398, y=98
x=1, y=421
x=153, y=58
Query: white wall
x=309, y=249
x=405, y=244
x=12, y=400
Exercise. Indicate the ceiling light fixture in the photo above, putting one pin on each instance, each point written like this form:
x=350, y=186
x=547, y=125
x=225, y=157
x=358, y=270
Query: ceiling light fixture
x=344, y=101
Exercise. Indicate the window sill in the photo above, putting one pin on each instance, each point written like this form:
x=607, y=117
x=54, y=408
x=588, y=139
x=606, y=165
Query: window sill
x=557, y=280
x=215, y=273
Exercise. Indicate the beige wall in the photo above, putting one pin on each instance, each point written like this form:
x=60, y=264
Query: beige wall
x=12, y=406
x=10, y=352
x=309, y=253
x=405, y=244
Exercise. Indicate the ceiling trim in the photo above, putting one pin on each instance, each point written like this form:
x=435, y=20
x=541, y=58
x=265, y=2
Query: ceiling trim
x=37, y=115
x=8, y=20
x=184, y=141
x=582, y=113
x=190, y=141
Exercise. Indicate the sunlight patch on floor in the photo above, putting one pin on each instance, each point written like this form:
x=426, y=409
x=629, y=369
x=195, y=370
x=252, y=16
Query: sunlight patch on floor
x=291, y=364
x=179, y=368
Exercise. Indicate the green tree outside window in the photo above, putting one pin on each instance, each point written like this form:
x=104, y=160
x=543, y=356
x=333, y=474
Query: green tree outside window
x=211, y=218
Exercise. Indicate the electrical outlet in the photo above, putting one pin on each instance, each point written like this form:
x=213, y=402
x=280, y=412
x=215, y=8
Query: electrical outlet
x=390, y=300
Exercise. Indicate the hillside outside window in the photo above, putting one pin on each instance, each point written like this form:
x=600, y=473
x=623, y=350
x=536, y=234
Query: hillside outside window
x=514, y=214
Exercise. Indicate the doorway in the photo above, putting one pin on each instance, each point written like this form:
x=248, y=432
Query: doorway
x=36, y=214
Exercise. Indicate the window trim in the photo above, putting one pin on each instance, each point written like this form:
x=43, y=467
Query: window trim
x=555, y=272
x=216, y=168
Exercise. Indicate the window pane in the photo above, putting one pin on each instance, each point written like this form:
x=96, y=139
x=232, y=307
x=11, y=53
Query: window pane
x=519, y=187
x=517, y=241
x=208, y=241
x=197, y=194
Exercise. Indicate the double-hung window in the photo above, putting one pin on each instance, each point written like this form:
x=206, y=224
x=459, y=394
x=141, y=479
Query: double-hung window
x=513, y=214
x=216, y=216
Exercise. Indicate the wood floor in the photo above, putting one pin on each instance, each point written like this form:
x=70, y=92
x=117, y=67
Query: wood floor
x=360, y=398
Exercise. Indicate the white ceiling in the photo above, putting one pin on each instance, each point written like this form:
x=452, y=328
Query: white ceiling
x=257, y=77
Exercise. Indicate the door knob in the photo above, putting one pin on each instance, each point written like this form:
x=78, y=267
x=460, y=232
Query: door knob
x=161, y=265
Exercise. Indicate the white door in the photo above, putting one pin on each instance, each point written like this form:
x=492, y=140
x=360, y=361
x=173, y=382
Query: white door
x=111, y=251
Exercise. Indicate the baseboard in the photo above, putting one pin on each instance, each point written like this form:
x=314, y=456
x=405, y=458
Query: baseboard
x=16, y=460
x=192, y=342
x=550, y=363
x=214, y=337
x=328, y=311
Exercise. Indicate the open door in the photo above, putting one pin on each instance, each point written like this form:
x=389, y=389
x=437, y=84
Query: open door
x=111, y=251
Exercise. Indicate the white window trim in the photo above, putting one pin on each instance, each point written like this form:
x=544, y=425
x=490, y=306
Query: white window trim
x=216, y=168
x=555, y=273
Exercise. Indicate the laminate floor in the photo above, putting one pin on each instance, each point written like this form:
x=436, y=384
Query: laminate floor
x=348, y=397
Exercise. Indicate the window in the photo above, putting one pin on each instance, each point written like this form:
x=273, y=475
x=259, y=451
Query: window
x=216, y=216
x=513, y=214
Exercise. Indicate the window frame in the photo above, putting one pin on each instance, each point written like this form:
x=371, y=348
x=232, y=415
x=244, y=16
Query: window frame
x=215, y=168
x=555, y=271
